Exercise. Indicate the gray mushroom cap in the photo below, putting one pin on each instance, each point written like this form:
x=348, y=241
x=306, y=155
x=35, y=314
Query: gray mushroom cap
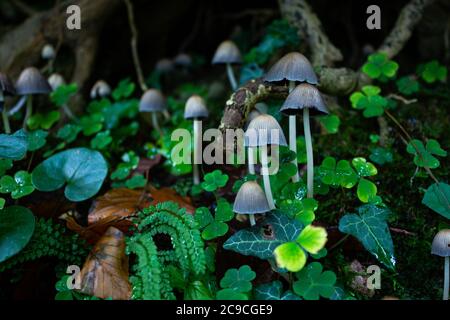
x=164, y=65
x=48, y=52
x=261, y=132
x=195, y=108
x=152, y=101
x=6, y=86
x=304, y=96
x=31, y=81
x=292, y=67
x=56, y=80
x=251, y=199
x=183, y=59
x=227, y=52
x=101, y=89
x=441, y=243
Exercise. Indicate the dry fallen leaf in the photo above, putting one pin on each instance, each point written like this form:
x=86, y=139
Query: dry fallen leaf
x=105, y=272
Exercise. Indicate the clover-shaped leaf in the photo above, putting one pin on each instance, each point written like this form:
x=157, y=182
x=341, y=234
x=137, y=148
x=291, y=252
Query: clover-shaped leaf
x=364, y=168
x=369, y=100
x=124, y=90
x=130, y=162
x=274, y=291
x=238, y=279
x=407, y=85
x=69, y=132
x=19, y=186
x=381, y=155
x=137, y=181
x=432, y=71
x=36, y=139
x=423, y=157
x=44, y=121
x=214, y=227
x=101, y=140
x=366, y=191
x=312, y=283
x=92, y=123
x=214, y=180
x=340, y=174
x=330, y=122
x=302, y=210
x=380, y=67
x=63, y=93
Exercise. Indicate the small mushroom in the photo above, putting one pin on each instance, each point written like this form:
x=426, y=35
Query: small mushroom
x=306, y=98
x=31, y=82
x=153, y=101
x=441, y=247
x=196, y=110
x=100, y=89
x=228, y=53
x=293, y=67
x=264, y=130
x=48, y=52
x=6, y=89
x=164, y=65
x=183, y=60
x=251, y=200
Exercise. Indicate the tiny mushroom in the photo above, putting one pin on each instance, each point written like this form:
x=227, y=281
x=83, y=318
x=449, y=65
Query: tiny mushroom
x=228, y=53
x=441, y=247
x=293, y=67
x=48, y=52
x=264, y=130
x=164, y=65
x=306, y=98
x=196, y=110
x=56, y=80
x=6, y=89
x=31, y=82
x=153, y=101
x=183, y=60
x=101, y=89
x=251, y=200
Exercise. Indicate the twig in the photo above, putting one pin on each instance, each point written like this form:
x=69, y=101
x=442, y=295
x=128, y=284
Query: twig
x=401, y=99
x=402, y=231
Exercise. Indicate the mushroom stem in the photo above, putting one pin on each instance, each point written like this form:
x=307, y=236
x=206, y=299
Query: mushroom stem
x=29, y=111
x=6, y=125
x=19, y=105
x=231, y=76
x=156, y=124
x=252, y=219
x=309, y=153
x=446, y=277
x=68, y=112
x=293, y=136
x=251, y=160
x=197, y=150
x=266, y=179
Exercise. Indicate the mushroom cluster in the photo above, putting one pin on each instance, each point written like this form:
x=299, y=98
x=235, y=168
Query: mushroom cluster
x=441, y=247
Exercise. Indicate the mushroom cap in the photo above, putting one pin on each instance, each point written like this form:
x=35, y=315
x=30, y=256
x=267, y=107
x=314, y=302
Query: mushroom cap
x=441, y=243
x=195, y=108
x=304, y=96
x=101, y=89
x=227, y=52
x=56, y=80
x=152, y=101
x=182, y=59
x=6, y=85
x=48, y=52
x=292, y=67
x=260, y=132
x=250, y=199
x=31, y=81
x=164, y=65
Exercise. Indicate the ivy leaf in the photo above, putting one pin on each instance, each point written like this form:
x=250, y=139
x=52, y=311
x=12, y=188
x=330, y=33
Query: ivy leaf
x=214, y=180
x=273, y=291
x=364, y=168
x=36, y=139
x=16, y=228
x=381, y=155
x=44, y=121
x=380, y=67
x=407, y=85
x=423, y=157
x=81, y=170
x=238, y=279
x=330, y=122
x=312, y=283
x=13, y=146
x=369, y=226
x=261, y=240
x=370, y=101
x=437, y=198
x=124, y=90
x=63, y=93
x=433, y=71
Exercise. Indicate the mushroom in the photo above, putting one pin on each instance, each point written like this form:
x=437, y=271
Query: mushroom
x=196, y=110
x=293, y=67
x=306, y=98
x=153, y=101
x=31, y=82
x=101, y=89
x=183, y=60
x=441, y=247
x=261, y=133
x=48, y=52
x=228, y=53
x=164, y=65
x=251, y=200
x=56, y=80
x=6, y=89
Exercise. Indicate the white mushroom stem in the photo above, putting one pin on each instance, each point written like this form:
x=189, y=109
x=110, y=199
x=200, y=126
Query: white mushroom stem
x=19, y=105
x=266, y=179
x=197, y=150
x=156, y=124
x=231, y=76
x=4, y=114
x=293, y=136
x=68, y=112
x=252, y=219
x=29, y=111
x=446, y=277
x=309, y=153
x=251, y=160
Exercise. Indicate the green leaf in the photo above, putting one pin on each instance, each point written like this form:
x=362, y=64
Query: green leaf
x=340, y=174
x=124, y=90
x=5, y=165
x=91, y=124
x=302, y=210
x=13, y=146
x=301, y=149
x=433, y=71
x=407, y=85
x=290, y=256
x=312, y=283
x=230, y=294
x=214, y=180
x=331, y=123
x=196, y=290
x=137, y=181
x=224, y=211
x=364, y=168
x=2, y=203
x=36, y=139
x=369, y=226
x=437, y=198
x=24, y=185
x=238, y=279
x=312, y=239
x=366, y=191
x=203, y=217
x=62, y=94
x=423, y=157
x=380, y=67
x=44, y=121
x=69, y=132
x=214, y=230
x=370, y=101
x=261, y=240
x=101, y=140
x=381, y=155
x=16, y=228
x=81, y=170
x=273, y=291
